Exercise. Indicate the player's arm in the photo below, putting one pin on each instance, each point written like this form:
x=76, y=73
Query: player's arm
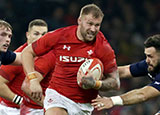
x=32, y=88
x=33, y=76
x=110, y=81
x=124, y=71
x=129, y=98
x=17, y=60
x=43, y=66
x=6, y=93
x=139, y=95
x=27, y=57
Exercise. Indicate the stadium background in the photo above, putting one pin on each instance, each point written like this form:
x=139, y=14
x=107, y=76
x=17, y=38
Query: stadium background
x=127, y=23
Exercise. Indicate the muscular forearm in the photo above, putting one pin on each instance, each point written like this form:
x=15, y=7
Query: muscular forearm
x=111, y=82
x=29, y=64
x=139, y=95
x=28, y=60
x=133, y=97
x=124, y=71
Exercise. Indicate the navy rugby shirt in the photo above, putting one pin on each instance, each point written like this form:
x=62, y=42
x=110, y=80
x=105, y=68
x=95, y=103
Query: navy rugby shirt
x=7, y=57
x=140, y=69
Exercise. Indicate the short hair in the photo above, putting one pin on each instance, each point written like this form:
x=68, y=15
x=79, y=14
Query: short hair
x=92, y=9
x=5, y=24
x=37, y=22
x=153, y=41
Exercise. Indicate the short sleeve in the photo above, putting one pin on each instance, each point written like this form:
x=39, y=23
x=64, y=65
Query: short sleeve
x=7, y=57
x=46, y=43
x=139, y=69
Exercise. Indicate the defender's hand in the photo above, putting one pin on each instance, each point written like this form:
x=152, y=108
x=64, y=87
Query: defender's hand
x=101, y=103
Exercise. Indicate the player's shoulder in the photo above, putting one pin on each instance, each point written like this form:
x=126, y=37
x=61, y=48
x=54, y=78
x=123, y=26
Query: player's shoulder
x=101, y=38
x=64, y=30
x=66, y=33
x=102, y=45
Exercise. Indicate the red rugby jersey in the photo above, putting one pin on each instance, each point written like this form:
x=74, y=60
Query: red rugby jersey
x=70, y=54
x=15, y=75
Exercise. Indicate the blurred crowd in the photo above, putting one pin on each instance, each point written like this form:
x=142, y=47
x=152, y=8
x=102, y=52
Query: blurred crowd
x=127, y=23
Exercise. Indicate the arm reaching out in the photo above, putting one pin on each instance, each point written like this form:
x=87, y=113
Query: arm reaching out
x=129, y=98
x=124, y=71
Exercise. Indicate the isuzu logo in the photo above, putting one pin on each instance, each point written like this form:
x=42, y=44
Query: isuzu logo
x=71, y=59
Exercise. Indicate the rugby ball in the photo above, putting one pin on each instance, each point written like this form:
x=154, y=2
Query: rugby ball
x=94, y=65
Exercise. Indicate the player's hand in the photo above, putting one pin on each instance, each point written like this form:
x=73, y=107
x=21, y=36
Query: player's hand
x=101, y=103
x=39, y=102
x=36, y=90
x=88, y=81
x=31, y=86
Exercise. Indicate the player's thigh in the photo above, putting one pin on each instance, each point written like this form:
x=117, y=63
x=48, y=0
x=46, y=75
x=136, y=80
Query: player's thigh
x=56, y=111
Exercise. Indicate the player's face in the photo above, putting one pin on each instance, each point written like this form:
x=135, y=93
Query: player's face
x=5, y=38
x=152, y=59
x=89, y=27
x=35, y=33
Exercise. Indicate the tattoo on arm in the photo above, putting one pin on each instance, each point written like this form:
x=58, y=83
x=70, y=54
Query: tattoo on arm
x=109, y=83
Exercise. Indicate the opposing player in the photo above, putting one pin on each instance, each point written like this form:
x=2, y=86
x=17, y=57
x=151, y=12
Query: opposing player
x=72, y=45
x=149, y=67
x=12, y=76
x=6, y=56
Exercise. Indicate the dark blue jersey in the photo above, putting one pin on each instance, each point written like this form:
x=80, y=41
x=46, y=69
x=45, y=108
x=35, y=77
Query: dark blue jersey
x=7, y=57
x=140, y=69
x=156, y=82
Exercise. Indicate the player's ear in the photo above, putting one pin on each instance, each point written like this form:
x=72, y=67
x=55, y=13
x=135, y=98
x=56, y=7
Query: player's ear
x=27, y=34
x=79, y=20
